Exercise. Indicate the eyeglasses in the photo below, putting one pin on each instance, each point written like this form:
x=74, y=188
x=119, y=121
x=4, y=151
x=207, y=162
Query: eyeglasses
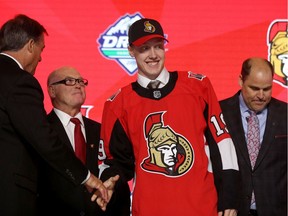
x=71, y=82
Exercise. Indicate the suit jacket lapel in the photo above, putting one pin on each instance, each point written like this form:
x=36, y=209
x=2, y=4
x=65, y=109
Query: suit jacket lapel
x=91, y=139
x=269, y=134
x=57, y=126
x=91, y=146
x=234, y=123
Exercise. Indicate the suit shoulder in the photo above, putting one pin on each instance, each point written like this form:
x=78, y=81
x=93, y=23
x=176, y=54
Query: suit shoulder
x=226, y=101
x=50, y=114
x=13, y=77
x=278, y=106
x=91, y=122
x=230, y=100
x=279, y=102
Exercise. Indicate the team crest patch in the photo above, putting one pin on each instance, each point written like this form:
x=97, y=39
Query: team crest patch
x=195, y=76
x=277, y=41
x=149, y=27
x=170, y=154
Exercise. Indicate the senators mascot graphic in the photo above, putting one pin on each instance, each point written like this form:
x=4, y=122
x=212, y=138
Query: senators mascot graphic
x=277, y=41
x=170, y=153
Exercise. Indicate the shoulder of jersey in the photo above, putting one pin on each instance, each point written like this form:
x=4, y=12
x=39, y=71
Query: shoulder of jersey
x=123, y=89
x=113, y=96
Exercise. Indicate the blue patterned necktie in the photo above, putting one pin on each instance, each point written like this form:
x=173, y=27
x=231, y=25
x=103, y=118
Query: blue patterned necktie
x=253, y=142
x=253, y=137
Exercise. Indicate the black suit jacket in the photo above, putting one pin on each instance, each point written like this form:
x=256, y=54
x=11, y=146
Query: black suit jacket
x=25, y=137
x=59, y=197
x=269, y=177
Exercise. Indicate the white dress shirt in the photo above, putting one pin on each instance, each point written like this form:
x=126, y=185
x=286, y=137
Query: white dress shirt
x=68, y=125
x=163, y=78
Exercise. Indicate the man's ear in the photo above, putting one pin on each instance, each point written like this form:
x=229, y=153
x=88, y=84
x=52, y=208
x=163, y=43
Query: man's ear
x=240, y=80
x=51, y=91
x=30, y=45
x=130, y=49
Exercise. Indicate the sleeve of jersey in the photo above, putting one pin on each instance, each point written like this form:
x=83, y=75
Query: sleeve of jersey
x=115, y=149
x=226, y=170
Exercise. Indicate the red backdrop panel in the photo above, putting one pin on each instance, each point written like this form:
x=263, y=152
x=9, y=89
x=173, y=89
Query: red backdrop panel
x=208, y=37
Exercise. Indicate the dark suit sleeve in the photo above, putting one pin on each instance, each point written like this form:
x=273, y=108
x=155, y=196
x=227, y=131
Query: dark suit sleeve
x=92, y=129
x=24, y=106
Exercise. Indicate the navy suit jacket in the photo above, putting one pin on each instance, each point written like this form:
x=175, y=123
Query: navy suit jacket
x=25, y=137
x=269, y=177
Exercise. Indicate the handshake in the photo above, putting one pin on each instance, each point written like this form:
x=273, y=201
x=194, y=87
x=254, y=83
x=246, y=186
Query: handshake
x=102, y=192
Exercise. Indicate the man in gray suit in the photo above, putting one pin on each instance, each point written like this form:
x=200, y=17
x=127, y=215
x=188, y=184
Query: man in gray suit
x=263, y=185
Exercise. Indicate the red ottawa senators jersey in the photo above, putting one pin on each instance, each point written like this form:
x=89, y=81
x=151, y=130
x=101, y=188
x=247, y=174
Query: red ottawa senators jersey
x=162, y=139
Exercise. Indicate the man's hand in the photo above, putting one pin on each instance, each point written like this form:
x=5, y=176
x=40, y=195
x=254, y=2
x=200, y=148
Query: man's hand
x=228, y=212
x=109, y=184
x=100, y=190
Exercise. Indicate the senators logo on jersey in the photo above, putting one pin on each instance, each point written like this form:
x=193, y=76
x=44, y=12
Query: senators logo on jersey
x=170, y=153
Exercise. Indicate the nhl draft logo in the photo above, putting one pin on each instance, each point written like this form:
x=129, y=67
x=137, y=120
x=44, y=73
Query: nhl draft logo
x=114, y=41
x=277, y=41
x=170, y=154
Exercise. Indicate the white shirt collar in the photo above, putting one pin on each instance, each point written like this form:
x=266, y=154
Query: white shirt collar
x=163, y=78
x=65, y=118
x=13, y=59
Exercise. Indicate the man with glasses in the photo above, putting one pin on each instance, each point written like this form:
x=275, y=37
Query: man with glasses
x=66, y=88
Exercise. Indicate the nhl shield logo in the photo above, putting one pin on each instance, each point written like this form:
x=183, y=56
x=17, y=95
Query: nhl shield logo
x=157, y=94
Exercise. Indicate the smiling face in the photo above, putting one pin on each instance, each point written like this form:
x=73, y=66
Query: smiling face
x=150, y=57
x=66, y=98
x=257, y=86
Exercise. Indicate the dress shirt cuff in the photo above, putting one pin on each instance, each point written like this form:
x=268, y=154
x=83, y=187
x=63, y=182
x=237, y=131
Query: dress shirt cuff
x=86, y=179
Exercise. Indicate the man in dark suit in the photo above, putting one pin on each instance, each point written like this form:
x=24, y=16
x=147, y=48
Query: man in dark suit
x=25, y=134
x=263, y=185
x=66, y=88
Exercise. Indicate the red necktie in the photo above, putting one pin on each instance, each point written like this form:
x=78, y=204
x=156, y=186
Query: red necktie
x=80, y=144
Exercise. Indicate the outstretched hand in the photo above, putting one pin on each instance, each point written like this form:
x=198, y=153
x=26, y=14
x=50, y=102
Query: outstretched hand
x=109, y=184
x=228, y=212
x=100, y=191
